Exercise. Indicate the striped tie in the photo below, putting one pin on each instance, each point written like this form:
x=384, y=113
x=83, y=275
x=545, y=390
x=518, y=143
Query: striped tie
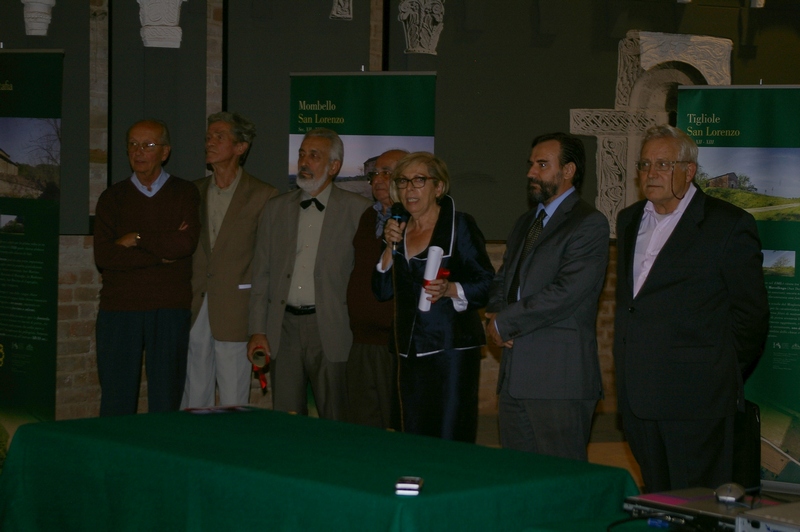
x=530, y=239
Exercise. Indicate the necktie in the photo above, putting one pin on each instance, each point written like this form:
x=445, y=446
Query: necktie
x=317, y=203
x=530, y=239
x=383, y=217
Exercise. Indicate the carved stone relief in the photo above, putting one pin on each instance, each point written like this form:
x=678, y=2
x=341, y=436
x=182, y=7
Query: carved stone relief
x=160, y=19
x=423, y=21
x=37, y=16
x=650, y=67
x=710, y=55
x=342, y=10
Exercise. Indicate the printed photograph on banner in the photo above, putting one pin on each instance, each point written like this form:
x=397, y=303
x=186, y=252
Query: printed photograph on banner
x=30, y=158
x=12, y=224
x=763, y=181
x=779, y=437
x=779, y=262
x=360, y=153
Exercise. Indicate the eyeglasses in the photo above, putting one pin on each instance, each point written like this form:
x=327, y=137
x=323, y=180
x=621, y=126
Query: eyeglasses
x=145, y=146
x=417, y=182
x=383, y=173
x=660, y=166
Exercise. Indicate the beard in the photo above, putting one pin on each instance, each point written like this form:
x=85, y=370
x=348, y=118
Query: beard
x=544, y=193
x=310, y=184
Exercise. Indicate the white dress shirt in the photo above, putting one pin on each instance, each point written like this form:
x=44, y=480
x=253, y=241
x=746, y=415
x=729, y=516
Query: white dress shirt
x=654, y=231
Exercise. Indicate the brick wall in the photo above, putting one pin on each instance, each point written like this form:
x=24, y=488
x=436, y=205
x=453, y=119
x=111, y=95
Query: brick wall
x=77, y=388
x=214, y=57
x=605, y=333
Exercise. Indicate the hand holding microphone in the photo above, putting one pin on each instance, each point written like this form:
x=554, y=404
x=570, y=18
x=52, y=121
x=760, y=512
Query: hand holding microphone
x=399, y=215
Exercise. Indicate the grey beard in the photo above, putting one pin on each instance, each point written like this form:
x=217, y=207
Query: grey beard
x=310, y=185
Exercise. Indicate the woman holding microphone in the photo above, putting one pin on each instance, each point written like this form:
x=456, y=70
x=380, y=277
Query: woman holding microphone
x=440, y=348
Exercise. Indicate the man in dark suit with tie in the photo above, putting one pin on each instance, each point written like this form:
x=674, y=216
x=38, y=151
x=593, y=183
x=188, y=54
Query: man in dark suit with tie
x=543, y=308
x=302, y=264
x=691, y=317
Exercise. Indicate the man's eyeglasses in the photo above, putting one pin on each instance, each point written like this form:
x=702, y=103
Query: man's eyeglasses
x=660, y=166
x=416, y=182
x=383, y=173
x=145, y=146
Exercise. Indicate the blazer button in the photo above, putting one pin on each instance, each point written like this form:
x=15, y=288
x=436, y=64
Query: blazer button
x=288, y=275
x=283, y=302
x=209, y=275
x=631, y=309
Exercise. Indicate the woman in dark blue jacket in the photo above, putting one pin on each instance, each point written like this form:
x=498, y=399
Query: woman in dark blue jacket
x=439, y=349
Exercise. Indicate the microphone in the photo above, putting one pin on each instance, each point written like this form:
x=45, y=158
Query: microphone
x=400, y=214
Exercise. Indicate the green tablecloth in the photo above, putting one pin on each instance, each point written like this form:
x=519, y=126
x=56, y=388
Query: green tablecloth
x=264, y=470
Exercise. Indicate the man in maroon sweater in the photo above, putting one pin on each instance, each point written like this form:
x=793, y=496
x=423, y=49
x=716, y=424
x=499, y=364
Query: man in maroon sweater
x=146, y=229
x=371, y=369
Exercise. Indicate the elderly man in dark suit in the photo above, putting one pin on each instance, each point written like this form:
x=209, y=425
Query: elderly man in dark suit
x=304, y=256
x=691, y=316
x=543, y=308
x=231, y=205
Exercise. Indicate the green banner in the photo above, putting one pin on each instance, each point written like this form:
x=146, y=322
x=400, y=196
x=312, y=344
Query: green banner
x=30, y=160
x=733, y=117
x=364, y=104
x=371, y=112
x=749, y=140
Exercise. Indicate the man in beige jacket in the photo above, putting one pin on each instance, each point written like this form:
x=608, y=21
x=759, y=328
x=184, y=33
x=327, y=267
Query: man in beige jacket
x=232, y=203
x=301, y=268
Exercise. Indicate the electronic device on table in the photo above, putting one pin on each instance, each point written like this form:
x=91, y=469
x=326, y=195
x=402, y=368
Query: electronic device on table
x=701, y=508
x=781, y=518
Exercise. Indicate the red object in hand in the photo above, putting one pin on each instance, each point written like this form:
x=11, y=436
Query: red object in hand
x=260, y=355
x=262, y=377
x=443, y=273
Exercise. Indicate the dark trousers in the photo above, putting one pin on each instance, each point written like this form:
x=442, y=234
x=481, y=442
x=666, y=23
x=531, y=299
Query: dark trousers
x=300, y=361
x=163, y=334
x=546, y=426
x=371, y=385
x=439, y=394
x=680, y=453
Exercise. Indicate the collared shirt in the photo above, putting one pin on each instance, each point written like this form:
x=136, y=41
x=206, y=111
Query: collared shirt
x=218, y=200
x=551, y=208
x=654, y=231
x=309, y=229
x=380, y=221
x=154, y=187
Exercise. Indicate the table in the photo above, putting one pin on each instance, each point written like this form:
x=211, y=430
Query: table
x=264, y=470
